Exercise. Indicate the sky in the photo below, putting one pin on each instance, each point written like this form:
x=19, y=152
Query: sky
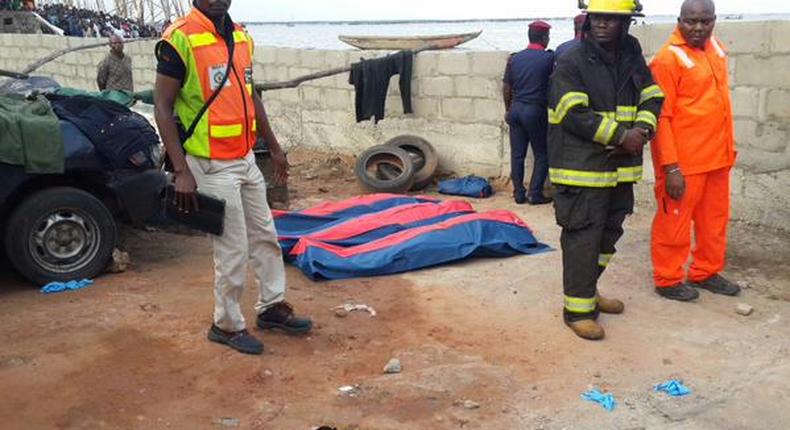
x=351, y=10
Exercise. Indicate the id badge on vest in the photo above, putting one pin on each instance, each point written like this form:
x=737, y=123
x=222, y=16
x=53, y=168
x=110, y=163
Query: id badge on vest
x=216, y=74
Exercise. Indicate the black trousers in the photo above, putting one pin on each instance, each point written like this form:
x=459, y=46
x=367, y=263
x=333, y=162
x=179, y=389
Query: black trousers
x=529, y=125
x=592, y=223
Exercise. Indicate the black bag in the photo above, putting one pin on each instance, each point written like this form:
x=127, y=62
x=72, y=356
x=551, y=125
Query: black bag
x=209, y=218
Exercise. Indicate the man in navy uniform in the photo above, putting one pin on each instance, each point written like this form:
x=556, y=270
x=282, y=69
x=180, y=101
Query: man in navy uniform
x=525, y=91
x=578, y=34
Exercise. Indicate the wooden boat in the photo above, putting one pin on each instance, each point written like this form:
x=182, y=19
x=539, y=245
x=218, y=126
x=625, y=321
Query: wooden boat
x=441, y=41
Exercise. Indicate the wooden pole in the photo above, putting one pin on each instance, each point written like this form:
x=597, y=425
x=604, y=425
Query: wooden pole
x=293, y=83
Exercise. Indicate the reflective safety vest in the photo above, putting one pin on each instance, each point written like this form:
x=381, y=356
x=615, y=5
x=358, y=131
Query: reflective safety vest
x=227, y=129
x=592, y=104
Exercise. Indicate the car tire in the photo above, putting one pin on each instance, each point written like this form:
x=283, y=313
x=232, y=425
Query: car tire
x=60, y=234
x=423, y=155
x=398, y=161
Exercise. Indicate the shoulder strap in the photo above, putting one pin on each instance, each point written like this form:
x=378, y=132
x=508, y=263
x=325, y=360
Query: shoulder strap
x=191, y=130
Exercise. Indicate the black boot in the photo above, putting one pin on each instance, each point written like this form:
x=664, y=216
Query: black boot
x=718, y=285
x=679, y=292
x=241, y=341
x=281, y=316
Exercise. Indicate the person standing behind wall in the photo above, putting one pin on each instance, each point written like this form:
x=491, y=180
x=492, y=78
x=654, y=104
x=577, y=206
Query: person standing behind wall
x=525, y=91
x=578, y=33
x=115, y=71
x=693, y=155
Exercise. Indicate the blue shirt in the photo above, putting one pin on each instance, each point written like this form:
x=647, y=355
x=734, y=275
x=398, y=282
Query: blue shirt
x=528, y=74
x=566, y=46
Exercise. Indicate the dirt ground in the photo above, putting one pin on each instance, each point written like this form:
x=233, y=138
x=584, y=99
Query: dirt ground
x=130, y=352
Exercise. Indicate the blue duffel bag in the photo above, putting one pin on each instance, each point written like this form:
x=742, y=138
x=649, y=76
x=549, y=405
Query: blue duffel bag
x=470, y=186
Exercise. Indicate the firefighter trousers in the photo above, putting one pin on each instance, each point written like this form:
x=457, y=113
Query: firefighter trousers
x=592, y=223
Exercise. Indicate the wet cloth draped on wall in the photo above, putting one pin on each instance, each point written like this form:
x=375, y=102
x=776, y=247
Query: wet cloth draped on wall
x=371, y=80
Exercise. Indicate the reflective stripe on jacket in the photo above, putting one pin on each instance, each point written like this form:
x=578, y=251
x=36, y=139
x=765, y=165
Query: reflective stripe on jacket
x=592, y=103
x=696, y=125
x=227, y=129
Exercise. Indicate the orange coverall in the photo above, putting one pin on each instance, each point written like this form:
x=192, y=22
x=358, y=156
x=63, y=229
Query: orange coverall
x=695, y=130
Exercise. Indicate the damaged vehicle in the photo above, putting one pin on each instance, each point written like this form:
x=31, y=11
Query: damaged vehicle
x=59, y=224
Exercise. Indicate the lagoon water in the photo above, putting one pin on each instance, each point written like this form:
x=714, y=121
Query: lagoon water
x=497, y=35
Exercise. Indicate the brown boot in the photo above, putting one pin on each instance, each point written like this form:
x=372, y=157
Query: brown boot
x=610, y=306
x=587, y=329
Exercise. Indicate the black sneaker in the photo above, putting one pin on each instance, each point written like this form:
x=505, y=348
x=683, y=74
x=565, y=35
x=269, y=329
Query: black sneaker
x=540, y=200
x=680, y=292
x=520, y=199
x=718, y=285
x=241, y=341
x=281, y=316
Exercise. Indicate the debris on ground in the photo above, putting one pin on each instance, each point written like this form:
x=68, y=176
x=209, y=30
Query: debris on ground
x=350, y=390
x=674, y=388
x=351, y=307
x=228, y=422
x=744, y=309
x=59, y=287
x=120, y=261
x=606, y=400
x=341, y=313
x=745, y=285
x=469, y=404
x=393, y=366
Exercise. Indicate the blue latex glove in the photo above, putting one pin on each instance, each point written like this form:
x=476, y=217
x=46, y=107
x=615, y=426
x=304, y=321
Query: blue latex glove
x=606, y=400
x=674, y=388
x=58, y=287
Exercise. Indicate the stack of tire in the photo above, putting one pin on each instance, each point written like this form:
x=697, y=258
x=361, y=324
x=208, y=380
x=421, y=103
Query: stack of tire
x=404, y=163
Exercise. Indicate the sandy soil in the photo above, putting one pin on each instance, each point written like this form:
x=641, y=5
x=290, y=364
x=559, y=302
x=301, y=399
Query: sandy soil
x=130, y=352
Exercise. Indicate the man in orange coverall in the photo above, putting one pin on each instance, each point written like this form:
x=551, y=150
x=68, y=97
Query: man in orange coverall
x=693, y=154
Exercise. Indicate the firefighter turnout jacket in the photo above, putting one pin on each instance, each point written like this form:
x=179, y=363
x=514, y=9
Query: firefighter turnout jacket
x=595, y=98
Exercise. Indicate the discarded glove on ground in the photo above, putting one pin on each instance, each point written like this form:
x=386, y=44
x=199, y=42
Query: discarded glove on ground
x=674, y=388
x=606, y=400
x=59, y=287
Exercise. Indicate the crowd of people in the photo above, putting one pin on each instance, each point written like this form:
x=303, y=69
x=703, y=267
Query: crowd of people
x=89, y=23
x=78, y=22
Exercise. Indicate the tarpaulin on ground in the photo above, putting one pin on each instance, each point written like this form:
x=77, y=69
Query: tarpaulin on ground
x=291, y=226
x=405, y=236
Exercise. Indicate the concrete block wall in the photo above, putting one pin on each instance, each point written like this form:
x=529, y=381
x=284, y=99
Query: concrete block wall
x=456, y=97
x=760, y=83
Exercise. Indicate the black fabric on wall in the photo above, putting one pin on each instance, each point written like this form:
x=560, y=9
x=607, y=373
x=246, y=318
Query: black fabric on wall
x=371, y=79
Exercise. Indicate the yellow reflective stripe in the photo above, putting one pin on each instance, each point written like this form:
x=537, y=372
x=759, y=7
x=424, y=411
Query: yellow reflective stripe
x=239, y=37
x=647, y=117
x=580, y=306
x=629, y=174
x=605, y=259
x=581, y=178
x=225, y=131
x=202, y=39
x=249, y=89
x=651, y=92
x=606, y=130
x=566, y=103
x=626, y=113
x=254, y=126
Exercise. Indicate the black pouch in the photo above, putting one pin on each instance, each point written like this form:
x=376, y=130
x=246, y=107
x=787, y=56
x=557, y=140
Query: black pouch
x=209, y=218
x=571, y=207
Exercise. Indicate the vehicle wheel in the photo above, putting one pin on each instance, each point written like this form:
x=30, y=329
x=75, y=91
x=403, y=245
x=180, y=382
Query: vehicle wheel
x=423, y=155
x=398, y=162
x=60, y=234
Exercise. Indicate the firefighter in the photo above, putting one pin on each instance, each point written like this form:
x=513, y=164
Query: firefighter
x=603, y=109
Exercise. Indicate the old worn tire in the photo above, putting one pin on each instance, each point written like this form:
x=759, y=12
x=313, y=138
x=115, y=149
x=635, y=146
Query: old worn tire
x=424, y=156
x=368, y=171
x=60, y=234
